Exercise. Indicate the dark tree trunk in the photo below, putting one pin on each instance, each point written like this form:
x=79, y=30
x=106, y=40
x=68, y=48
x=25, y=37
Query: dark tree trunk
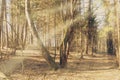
x=65, y=46
x=110, y=45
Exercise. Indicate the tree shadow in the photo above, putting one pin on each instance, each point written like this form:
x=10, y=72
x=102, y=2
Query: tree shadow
x=40, y=67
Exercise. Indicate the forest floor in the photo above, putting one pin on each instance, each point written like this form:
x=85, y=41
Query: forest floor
x=99, y=67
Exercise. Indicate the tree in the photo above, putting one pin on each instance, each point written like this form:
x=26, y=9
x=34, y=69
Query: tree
x=117, y=30
x=1, y=24
x=66, y=43
x=110, y=45
x=45, y=52
x=91, y=30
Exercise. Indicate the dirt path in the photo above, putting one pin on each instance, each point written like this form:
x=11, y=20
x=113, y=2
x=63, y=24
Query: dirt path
x=99, y=67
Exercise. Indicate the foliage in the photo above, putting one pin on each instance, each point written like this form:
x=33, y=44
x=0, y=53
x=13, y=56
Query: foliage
x=104, y=31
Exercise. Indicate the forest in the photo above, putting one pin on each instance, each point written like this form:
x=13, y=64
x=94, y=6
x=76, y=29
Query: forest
x=59, y=40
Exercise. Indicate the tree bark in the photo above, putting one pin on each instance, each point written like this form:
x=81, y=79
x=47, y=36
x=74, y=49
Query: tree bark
x=65, y=46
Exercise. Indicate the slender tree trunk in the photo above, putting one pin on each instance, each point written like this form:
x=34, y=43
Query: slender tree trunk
x=3, y=17
x=89, y=28
x=55, y=36
x=82, y=45
x=25, y=35
x=116, y=3
x=1, y=25
x=6, y=30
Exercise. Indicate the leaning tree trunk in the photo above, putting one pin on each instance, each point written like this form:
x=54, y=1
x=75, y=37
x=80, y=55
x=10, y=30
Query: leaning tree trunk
x=44, y=52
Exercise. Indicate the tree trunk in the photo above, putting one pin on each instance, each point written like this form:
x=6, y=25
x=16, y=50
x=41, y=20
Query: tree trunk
x=117, y=32
x=55, y=37
x=1, y=24
x=45, y=52
x=65, y=46
x=6, y=30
